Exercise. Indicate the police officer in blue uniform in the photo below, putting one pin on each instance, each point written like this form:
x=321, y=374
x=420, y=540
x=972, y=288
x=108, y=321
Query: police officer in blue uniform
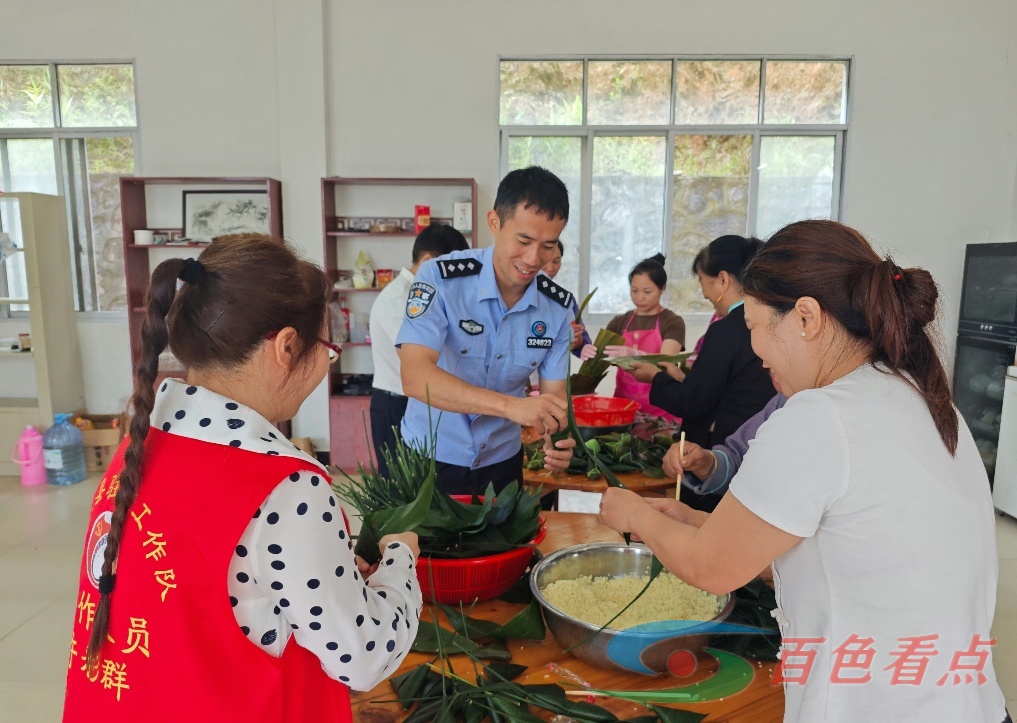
x=477, y=324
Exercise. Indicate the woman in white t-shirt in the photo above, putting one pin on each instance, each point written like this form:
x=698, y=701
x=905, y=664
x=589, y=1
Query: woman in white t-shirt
x=865, y=492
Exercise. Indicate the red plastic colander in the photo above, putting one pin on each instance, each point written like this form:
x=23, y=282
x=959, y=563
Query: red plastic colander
x=475, y=578
x=594, y=411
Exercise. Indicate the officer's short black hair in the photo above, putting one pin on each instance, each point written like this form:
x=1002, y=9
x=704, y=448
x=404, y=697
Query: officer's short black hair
x=438, y=239
x=535, y=188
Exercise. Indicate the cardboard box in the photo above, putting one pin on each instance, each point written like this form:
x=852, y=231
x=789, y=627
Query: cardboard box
x=303, y=443
x=462, y=217
x=101, y=443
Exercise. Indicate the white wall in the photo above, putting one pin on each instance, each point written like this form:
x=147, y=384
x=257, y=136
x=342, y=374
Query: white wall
x=210, y=103
x=932, y=145
x=300, y=89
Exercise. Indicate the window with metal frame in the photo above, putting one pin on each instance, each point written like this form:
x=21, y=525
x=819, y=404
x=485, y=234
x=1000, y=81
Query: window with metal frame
x=664, y=154
x=70, y=129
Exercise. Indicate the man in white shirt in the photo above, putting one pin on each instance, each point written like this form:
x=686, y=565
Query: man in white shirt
x=388, y=404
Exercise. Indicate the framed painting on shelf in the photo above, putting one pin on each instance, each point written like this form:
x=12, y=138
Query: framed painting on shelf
x=208, y=214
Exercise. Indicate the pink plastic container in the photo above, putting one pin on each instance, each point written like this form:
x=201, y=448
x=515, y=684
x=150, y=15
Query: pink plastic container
x=28, y=456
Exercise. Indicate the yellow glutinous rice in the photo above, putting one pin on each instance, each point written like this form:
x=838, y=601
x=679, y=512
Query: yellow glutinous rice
x=597, y=599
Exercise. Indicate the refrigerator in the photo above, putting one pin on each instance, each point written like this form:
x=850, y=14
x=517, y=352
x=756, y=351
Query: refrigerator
x=986, y=343
x=1004, y=491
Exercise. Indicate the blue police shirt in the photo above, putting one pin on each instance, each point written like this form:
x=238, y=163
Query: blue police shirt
x=454, y=307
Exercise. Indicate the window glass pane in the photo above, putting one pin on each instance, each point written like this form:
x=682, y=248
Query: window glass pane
x=805, y=92
x=13, y=268
x=96, y=95
x=32, y=165
x=628, y=214
x=711, y=198
x=717, y=91
x=795, y=180
x=541, y=93
x=562, y=155
x=108, y=159
x=629, y=93
x=26, y=100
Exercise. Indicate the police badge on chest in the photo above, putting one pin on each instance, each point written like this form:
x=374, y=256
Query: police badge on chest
x=538, y=340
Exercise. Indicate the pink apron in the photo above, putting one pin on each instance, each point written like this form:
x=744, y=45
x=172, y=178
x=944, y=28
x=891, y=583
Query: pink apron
x=626, y=385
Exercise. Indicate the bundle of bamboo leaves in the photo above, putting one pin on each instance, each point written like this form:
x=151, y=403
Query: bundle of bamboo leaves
x=592, y=371
x=627, y=362
x=408, y=501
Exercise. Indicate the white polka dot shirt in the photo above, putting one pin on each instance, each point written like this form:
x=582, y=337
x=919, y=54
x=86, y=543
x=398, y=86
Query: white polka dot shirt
x=294, y=571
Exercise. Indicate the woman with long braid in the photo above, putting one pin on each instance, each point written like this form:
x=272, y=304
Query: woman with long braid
x=218, y=580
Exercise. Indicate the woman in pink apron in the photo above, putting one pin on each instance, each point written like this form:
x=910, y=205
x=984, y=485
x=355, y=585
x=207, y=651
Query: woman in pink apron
x=647, y=329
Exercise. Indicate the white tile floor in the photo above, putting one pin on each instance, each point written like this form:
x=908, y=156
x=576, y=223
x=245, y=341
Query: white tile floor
x=41, y=536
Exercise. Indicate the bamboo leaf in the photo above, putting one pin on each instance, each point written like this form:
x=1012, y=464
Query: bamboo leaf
x=676, y=715
x=496, y=650
x=586, y=301
x=626, y=362
x=409, y=687
x=436, y=639
x=527, y=624
x=552, y=697
x=503, y=671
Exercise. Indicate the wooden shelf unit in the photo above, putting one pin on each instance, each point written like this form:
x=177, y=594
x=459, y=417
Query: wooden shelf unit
x=40, y=228
x=135, y=211
x=373, y=198
x=138, y=263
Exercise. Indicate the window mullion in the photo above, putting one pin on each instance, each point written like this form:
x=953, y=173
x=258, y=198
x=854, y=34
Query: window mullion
x=750, y=222
x=665, y=246
x=838, y=176
x=5, y=166
x=54, y=92
x=5, y=163
x=586, y=84
x=586, y=213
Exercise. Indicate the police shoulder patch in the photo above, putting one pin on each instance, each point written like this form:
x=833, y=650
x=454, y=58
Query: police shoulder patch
x=455, y=268
x=419, y=299
x=554, y=292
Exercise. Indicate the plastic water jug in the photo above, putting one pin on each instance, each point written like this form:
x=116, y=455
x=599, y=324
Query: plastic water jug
x=28, y=456
x=63, y=452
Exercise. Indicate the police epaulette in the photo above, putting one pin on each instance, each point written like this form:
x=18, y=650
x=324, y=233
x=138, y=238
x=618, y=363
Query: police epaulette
x=554, y=292
x=454, y=268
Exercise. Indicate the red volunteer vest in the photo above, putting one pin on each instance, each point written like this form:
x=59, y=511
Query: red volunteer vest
x=177, y=653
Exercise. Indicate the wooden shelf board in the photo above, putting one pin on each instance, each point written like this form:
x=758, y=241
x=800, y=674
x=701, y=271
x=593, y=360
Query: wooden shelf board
x=146, y=247
x=193, y=180
x=19, y=404
x=373, y=234
x=341, y=181
x=340, y=292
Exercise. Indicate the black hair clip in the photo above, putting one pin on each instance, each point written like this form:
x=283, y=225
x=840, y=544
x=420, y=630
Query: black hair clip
x=193, y=272
x=106, y=583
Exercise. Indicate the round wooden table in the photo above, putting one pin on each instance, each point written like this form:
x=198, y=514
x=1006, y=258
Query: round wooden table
x=761, y=702
x=634, y=481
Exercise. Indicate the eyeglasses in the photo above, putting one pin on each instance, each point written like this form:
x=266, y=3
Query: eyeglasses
x=334, y=350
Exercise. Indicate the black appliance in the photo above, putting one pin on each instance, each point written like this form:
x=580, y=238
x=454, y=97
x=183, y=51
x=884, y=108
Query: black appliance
x=986, y=341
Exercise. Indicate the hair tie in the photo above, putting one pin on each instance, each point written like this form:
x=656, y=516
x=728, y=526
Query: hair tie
x=896, y=277
x=193, y=272
x=106, y=582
